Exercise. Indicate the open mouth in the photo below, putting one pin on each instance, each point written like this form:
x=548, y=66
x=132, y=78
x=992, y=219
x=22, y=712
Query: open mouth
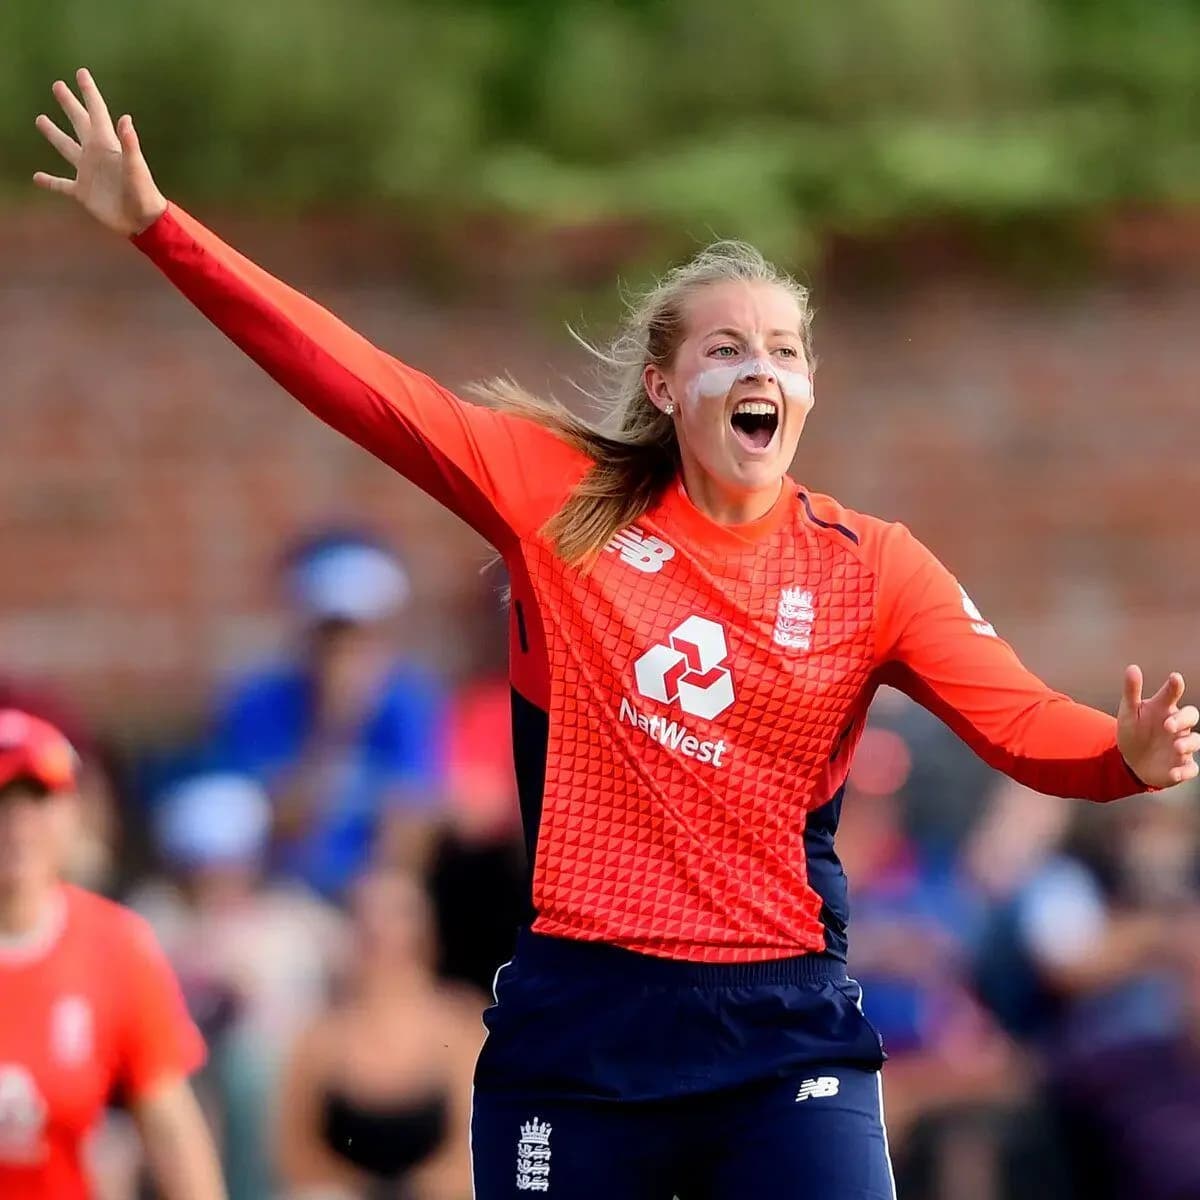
x=755, y=422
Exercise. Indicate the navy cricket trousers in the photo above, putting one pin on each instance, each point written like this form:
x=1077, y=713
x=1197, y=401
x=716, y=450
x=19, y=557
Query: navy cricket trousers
x=608, y=1075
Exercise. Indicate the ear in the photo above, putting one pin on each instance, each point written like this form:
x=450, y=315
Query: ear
x=657, y=387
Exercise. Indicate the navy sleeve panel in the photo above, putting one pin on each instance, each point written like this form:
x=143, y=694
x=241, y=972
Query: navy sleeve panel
x=825, y=874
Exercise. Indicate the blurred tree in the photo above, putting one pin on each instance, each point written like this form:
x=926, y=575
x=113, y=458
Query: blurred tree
x=776, y=121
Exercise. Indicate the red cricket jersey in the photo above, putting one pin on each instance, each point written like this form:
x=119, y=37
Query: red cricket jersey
x=685, y=713
x=89, y=1012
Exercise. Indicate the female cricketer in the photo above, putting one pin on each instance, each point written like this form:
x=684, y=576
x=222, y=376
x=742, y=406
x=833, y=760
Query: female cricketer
x=89, y=1008
x=695, y=638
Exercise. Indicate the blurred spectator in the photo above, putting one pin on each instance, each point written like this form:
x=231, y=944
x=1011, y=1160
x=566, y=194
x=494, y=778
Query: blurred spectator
x=347, y=738
x=93, y=857
x=479, y=876
x=1132, y=1113
x=254, y=960
x=1012, y=856
x=1098, y=924
x=89, y=1009
x=945, y=778
x=954, y=1082
x=1079, y=958
x=482, y=788
x=376, y=1098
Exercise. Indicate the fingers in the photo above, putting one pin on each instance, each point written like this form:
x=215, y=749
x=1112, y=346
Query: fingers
x=1183, y=720
x=1132, y=695
x=96, y=108
x=54, y=183
x=76, y=113
x=128, y=137
x=1187, y=745
x=1170, y=693
x=1183, y=774
x=66, y=146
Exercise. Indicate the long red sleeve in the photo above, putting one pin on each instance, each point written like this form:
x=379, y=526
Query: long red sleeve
x=503, y=475
x=936, y=647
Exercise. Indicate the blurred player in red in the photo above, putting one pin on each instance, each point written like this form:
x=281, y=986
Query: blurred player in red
x=89, y=1009
x=695, y=639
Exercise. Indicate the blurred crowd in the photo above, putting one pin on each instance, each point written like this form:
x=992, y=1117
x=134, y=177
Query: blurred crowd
x=336, y=869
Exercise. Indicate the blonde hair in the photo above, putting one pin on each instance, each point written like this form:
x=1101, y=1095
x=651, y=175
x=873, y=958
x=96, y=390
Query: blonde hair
x=633, y=447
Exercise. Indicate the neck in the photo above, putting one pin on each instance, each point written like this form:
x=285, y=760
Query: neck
x=24, y=908
x=726, y=507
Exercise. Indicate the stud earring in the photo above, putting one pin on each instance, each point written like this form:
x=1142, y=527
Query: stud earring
x=670, y=408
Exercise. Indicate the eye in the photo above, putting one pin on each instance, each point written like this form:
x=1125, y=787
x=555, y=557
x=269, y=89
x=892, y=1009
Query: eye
x=725, y=351
x=788, y=351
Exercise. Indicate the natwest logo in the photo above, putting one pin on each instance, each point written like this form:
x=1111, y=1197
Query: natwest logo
x=689, y=670
x=674, y=736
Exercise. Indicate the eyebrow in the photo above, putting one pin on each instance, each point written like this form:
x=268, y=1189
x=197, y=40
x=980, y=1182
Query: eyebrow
x=737, y=333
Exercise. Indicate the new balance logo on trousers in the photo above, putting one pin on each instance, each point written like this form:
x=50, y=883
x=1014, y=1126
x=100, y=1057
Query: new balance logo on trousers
x=816, y=1089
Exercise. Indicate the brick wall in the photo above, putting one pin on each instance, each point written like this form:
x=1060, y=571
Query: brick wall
x=1043, y=445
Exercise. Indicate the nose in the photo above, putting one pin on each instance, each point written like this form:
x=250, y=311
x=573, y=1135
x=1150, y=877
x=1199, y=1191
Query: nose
x=759, y=369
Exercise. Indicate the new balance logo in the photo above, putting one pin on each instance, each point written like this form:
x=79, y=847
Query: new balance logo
x=640, y=550
x=688, y=670
x=819, y=1088
x=533, y=1156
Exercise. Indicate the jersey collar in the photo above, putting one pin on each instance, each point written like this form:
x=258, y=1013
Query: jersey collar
x=678, y=510
x=19, y=949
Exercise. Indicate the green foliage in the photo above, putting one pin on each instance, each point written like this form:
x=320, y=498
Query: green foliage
x=776, y=120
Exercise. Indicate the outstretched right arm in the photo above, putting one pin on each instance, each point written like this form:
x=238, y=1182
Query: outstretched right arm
x=467, y=457
x=475, y=461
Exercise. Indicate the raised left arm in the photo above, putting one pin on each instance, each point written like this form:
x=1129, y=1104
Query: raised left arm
x=935, y=645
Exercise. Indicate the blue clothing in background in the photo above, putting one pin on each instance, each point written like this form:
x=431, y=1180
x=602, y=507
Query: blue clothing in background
x=915, y=893
x=263, y=730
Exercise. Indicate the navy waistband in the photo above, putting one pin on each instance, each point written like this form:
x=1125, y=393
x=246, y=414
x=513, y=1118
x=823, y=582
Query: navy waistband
x=539, y=952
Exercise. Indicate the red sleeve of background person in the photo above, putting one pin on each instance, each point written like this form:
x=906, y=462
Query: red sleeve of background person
x=503, y=475
x=480, y=769
x=157, y=1040
x=939, y=649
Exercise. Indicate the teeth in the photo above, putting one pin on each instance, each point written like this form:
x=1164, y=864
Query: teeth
x=757, y=408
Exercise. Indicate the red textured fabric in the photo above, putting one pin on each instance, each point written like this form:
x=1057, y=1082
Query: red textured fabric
x=642, y=843
x=704, y=686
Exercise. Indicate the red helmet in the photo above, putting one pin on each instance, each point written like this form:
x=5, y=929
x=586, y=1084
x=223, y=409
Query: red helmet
x=31, y=748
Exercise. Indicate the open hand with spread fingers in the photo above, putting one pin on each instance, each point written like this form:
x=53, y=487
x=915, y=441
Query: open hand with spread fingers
x=112, y=181
x=1156, y=736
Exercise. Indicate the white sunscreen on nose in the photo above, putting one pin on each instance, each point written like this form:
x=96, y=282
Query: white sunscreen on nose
x=718, y=381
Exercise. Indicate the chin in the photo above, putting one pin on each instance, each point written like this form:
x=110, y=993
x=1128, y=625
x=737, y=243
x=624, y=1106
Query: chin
x=757, y=475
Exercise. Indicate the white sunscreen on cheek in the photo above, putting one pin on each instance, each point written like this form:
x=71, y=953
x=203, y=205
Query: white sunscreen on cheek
x=715, y=382
x=718, y=381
